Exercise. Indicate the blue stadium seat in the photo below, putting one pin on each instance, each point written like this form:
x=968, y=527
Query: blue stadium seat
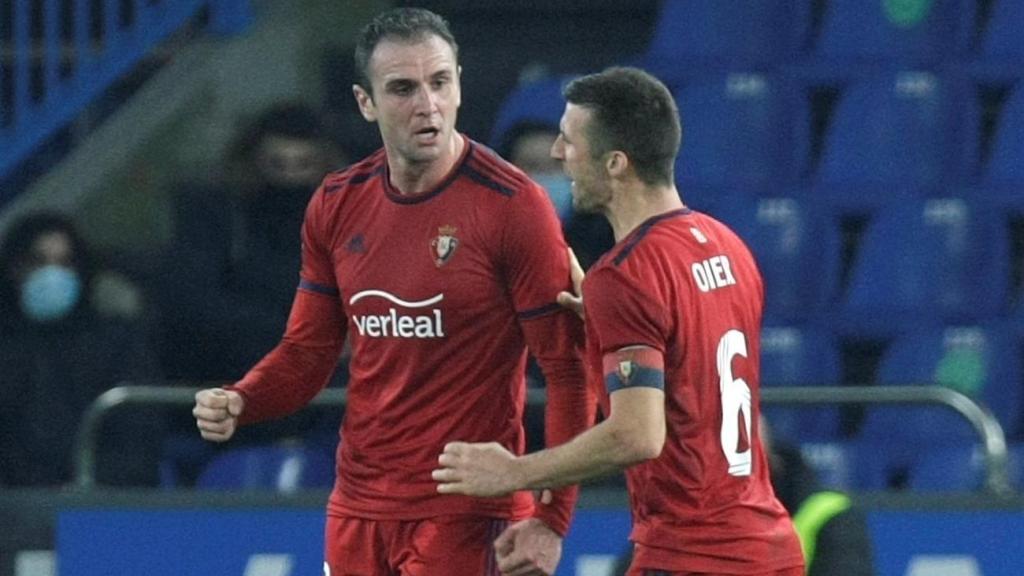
x=888, y=33
x=880, y=465
x=800, y=356
x=873, y=466
x=921, y=260
x=281, y=468
x=715, y=32
x=786, y=238
x=983, y=362
x=539, y=101
x=183, y=452
x=948, y=468
x=737, y=131
x=891, y=136
x=836, y=464
x=962, y=468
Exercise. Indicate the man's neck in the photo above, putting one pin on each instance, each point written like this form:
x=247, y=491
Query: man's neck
x=415, y=178
x=633, y=206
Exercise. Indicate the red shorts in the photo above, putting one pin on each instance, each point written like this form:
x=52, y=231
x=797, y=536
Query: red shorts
x=642, y=555
x=797, y=571
x=442, y=546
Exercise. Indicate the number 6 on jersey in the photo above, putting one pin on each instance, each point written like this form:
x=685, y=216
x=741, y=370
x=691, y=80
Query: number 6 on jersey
x=735, y=403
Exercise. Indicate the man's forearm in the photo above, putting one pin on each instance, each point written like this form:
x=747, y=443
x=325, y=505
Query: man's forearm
x=597, y=452
x=633, y=432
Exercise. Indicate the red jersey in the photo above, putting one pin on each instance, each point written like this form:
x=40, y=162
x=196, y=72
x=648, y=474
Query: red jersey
x=684, y=284
x=440, y=293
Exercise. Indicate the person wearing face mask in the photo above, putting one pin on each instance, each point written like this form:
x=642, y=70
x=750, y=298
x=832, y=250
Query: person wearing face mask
x=61, y=350
x=528, y=146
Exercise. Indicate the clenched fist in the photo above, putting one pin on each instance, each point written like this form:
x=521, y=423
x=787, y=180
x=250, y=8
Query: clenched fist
x=216, y=412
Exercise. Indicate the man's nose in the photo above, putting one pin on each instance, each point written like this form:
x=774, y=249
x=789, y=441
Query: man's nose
x=556, y=149
x=426, y=101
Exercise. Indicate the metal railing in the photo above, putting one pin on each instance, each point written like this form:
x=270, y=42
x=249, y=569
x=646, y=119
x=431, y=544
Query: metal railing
x=993, y=440
x=991, y=433
x=58, y=56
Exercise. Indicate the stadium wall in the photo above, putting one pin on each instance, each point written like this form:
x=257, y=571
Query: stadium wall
x=183, y=533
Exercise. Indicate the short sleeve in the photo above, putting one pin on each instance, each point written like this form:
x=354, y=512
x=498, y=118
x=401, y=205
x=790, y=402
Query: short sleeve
x=621, y=313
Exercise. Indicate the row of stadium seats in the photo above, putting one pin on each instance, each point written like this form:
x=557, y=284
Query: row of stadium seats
x=949, y=259
x=870, y=466
x=279, y=467
x=915, y=447
x=832, y=32
x=984, y=362
x=853, y=465
x=906, y=133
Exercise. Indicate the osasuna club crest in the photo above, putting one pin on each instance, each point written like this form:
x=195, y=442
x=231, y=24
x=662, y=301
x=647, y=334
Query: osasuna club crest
x=443, y=245
x=625, y=370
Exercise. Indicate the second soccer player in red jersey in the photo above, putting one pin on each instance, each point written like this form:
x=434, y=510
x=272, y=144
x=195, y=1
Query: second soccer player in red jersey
x=442, y=263
x=673, y=316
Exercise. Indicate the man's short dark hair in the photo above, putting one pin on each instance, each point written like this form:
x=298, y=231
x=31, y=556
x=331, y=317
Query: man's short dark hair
x=632, y=112
x=406, y=24
x=290, y=119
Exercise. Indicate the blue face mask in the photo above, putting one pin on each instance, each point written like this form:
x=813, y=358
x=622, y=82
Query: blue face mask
x=49, y=293
x=559, y=188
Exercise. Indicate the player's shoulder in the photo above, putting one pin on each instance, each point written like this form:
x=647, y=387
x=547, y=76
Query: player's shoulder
x=723, y=237
x=339, y=182
x=640, y=244
x=493, y=173
x=722, y=231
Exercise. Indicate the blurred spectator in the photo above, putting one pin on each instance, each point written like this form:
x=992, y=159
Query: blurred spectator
x=227, y=281
x=528, y=146
x=70, y=332
x=833, y=530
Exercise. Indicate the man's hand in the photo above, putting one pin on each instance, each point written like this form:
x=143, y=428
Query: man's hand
x=528, y=548
x=485, y=470
x=574, y=301
x=216, y=412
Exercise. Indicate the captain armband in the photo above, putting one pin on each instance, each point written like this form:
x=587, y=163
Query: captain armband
x=634, y=367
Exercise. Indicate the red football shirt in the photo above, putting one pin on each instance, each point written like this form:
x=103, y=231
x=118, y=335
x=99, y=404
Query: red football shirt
x=684, y=284
x=440, y=294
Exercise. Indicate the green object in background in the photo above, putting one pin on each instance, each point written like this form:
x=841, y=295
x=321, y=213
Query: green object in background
x=906, y=13
x=813, y=514
x=962, y=369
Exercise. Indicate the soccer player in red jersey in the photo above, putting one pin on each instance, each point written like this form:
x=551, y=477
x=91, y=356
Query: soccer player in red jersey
x=442, y=264
x=673, y=315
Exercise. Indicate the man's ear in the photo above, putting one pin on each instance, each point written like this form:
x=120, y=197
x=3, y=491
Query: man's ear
x=365, y=101
x=616, y=163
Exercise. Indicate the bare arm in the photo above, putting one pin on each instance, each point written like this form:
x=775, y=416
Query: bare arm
x=633, y=432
